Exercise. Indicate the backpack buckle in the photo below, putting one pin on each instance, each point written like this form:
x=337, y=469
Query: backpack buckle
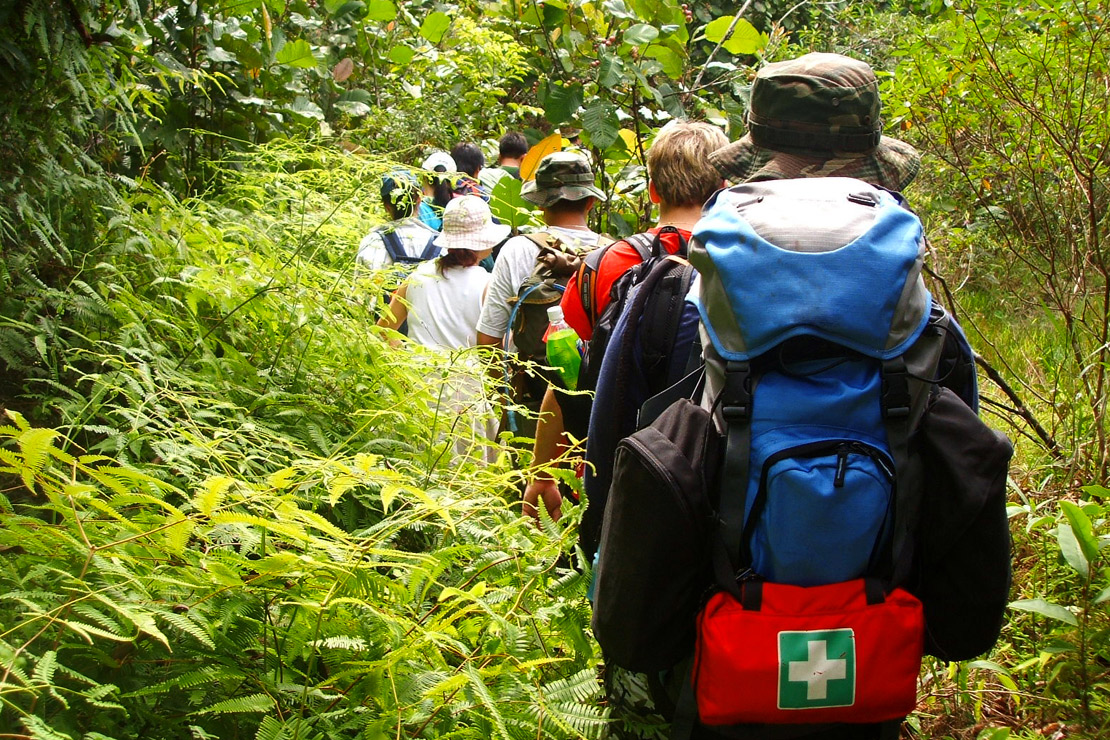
x=736, y=396
x=895, y=389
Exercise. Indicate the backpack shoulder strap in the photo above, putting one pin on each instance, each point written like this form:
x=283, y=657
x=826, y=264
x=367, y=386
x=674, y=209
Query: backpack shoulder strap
x=431, y=249
x=393, y=246
x=587, y=271
x=642, y=243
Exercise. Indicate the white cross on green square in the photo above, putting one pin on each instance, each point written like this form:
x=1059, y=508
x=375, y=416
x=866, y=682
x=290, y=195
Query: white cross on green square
x=817, y=669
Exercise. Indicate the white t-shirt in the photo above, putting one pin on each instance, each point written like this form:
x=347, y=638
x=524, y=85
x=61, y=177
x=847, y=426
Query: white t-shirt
x=444, y=309
x=414, y=235
x=514, y=264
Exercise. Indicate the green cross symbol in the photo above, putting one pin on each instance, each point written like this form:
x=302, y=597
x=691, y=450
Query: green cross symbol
x=817, y=669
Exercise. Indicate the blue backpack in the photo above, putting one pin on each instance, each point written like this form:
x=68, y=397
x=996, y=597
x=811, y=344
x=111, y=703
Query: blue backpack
x=830, y=433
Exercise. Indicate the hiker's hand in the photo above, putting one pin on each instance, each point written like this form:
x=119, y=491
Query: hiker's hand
x=546, y=489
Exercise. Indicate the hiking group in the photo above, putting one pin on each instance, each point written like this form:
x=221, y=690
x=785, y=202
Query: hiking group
x=790, y=497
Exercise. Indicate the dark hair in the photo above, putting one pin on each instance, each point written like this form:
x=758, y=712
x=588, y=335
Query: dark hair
x=456, y=258
x=468, y=158
x=513, y=145
x=443, y=191
x=399, y=196
x=570, y=206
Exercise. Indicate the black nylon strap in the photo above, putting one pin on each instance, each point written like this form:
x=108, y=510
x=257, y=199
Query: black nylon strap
x=873, y=589
x=896, y=404
x=752, y=598
x=736, y=408
x=393, y=246
x=685, y=711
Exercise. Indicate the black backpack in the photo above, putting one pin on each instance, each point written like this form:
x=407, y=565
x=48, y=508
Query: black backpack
x=664, y=312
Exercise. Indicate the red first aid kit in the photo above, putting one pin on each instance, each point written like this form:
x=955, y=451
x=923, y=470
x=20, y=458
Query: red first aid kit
x=845, y=652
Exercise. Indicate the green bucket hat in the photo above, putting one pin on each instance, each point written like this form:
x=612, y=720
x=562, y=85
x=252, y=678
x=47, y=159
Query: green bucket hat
x=817, y=116
x=561, y=176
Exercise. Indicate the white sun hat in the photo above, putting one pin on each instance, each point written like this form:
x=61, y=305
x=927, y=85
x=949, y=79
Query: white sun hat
x=439, y=162
x=468, y=224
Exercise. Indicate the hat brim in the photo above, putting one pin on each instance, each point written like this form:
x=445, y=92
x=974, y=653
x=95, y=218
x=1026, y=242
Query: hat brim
x=477, y=241
x=543, y=197
x=893, y=164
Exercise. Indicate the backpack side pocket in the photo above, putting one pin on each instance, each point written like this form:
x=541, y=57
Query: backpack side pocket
x=654, y=557
x=963, y=572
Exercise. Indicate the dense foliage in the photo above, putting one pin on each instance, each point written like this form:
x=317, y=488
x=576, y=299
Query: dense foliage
x=231, y=509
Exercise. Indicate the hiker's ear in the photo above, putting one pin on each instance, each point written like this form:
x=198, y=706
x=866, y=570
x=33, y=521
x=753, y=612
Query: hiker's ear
x=653, y=193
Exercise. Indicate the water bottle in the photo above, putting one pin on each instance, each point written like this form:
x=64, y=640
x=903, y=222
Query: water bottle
x=562, y=348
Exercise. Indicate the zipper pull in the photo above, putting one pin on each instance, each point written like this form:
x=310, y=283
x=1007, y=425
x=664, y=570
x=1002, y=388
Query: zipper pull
x=841, y=466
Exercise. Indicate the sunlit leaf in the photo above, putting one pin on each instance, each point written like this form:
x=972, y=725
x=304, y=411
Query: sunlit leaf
x=297, y=53
x=401, y=54
x=745, y=39
x=381, y=10
x=1072, y=550
x=641, y=34
x=1082, y=529
x=1045, y=609
x=532, y=159
x=435, y=26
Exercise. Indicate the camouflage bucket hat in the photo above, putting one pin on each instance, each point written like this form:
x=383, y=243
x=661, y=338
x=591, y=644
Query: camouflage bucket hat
x=817, y=116
x=561, y=175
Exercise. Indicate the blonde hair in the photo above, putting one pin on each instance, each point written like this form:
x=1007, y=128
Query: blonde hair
x=678, y=162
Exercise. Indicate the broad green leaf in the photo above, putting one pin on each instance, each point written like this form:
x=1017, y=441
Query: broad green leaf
x=672, y=62
x=599, y=120
x=1097, y=491
x=611, y=71
x=1103, y=596
x=561, y=103
x=641, y=34
x=670, y=101
x=401, y=55
x=350, y=7
x=618, y=9
x=745, y=39
x=302, y=106
x=381, y=10
x=435, y=26
x=297, y=53
x=1072, y=550
x=989, y=666
x=1045, y=609
x=506, y=203
x=1082, y=528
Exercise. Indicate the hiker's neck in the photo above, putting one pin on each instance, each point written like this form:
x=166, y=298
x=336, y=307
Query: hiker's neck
x=683, y=217
x=566, y=219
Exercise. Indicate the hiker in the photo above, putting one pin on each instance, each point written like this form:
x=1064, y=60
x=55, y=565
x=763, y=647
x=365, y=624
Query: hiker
x=442, y=299
x=439, y=169
x=406, y=238
x=470, y=161
x=789, y=255
x=680, y=180
x=510, y=152
x=564, y=189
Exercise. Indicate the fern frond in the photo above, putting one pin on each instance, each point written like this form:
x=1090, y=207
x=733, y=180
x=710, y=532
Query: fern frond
x=188, y=626
x=241, y=704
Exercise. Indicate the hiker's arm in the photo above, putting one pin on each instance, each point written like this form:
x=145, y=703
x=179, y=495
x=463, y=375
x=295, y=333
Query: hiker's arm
x=398, y=311
x=550, y=444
